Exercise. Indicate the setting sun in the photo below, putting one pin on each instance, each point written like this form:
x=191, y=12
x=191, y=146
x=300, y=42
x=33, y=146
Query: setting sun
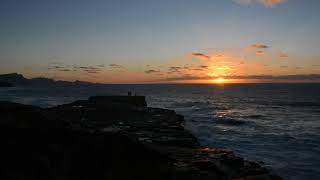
x=220, y=80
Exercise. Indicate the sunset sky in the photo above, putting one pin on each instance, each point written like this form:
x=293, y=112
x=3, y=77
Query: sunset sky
x=162, y=41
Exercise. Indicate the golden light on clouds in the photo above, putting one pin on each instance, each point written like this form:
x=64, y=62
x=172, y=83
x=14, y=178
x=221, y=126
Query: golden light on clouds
x=266, y=3
x=254, y=62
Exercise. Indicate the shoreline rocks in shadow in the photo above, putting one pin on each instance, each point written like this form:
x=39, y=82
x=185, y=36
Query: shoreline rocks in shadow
x=111, y=137
x=6, y=84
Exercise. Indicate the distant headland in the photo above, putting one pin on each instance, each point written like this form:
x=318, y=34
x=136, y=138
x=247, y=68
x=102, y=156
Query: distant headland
x=15, y=79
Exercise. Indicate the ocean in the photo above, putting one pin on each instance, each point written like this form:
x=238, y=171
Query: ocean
x=277, y=124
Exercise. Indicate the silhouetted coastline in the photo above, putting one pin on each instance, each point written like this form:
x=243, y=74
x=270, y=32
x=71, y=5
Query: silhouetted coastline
x=19, y=80
x=110, y=137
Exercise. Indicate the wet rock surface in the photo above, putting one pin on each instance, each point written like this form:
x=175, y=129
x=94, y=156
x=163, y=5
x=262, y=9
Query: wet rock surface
x=115, y=137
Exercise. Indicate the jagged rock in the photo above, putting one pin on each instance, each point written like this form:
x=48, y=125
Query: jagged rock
x=110, y=138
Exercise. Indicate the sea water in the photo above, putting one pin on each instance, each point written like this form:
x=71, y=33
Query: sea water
x=278, y=124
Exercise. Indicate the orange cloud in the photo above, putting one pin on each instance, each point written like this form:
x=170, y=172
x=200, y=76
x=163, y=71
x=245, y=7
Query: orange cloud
x=219, y=56
x=90, y=69
x=270, y=3
x=201, y=56
x=150, y=71
x=258, y=46
x=256, y=65
x=117, y=66
x=283, y=55
x=174, y=69
x=69, y=68
x=201, y=68
x=266, y=3
x=260, y=52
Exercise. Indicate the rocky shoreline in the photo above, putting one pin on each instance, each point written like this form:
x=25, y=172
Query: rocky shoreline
x=110, y=137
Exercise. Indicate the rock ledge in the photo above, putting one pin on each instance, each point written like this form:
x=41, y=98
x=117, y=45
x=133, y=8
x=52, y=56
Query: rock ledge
x=111, y=137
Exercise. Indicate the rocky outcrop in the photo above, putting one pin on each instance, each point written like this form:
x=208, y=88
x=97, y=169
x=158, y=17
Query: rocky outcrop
x=116, y=137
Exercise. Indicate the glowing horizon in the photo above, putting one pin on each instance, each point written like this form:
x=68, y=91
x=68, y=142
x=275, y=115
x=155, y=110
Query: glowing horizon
x=162, y=42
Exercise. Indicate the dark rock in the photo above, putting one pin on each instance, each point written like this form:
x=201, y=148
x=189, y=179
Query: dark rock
x=130, y=100
x=37, y=147
x=6, y=84
x=78, y=155
x=20, y=116
x=110, y=138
